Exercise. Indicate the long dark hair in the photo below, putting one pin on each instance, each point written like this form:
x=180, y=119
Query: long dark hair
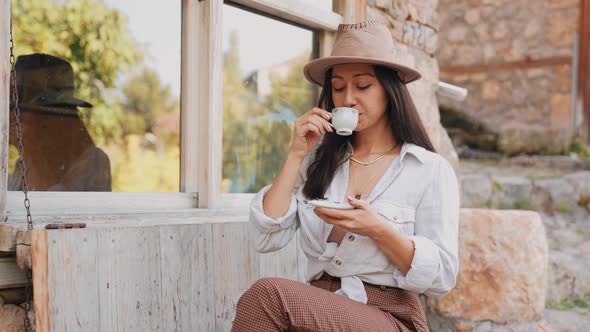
x=404, y=122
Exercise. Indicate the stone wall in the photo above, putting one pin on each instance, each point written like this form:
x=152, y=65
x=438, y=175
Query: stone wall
x=414, y=25
x=515, y=59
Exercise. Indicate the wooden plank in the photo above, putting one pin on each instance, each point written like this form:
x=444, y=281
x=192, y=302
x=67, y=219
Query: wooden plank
x=105, y=257
x=584, y=64
x=209, y=90
x=73, y=280
x=189, y=98
x=10, y=275
x=295, y=11
x=202, y=62
x=188, y=301
x=4, y=99
x=235, y=269
x=136, y=279
x=23, y=250
x=40, y=280
x=9, y=229
x=8, y=235
x=352, y=11
x=509, y=65
x=12, y=296
x=46, y=202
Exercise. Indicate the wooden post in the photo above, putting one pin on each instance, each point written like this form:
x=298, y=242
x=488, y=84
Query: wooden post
x=202, y=58
x=4, y=100
x=352, y=11
x=584, y=64
x=40, y=287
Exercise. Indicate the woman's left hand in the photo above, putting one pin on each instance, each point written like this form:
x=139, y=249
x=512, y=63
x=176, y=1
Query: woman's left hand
x=362, y=220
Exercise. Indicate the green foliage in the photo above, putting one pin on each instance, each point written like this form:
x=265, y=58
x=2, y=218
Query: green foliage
x=497, y=186
x=94, y=38
x=568, y=304
x=564, y=208
x=522, y=205
x=584, y=202
x=138, y=167
x=579, y=149
x=257, y=130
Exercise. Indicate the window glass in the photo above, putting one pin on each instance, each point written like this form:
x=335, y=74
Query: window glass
x=264, y=91
x=98, y=86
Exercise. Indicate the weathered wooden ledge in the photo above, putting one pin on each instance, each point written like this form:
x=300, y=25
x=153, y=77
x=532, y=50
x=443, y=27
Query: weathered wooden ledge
x=14, y=224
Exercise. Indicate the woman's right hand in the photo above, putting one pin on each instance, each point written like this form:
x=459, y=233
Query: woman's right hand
x=308, y=130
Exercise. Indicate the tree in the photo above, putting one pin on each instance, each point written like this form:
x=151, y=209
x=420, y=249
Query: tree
x=257, y=133
x=94, y=38
x=145, y=97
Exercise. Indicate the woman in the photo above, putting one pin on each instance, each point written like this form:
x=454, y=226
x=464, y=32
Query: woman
x=366, y=265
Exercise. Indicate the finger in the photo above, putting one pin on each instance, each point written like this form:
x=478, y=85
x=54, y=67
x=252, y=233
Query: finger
x=311, y=127
x=333, y=213
x=324, y=122
x=357, y=203
x=316, y=121
x=321, y=112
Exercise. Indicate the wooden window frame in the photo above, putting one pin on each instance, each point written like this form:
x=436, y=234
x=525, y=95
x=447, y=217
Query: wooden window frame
x=200, y=112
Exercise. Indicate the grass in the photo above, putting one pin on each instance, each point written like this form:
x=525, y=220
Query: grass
x=567, y=304
x=522, y=205
x=564, y=208
x=584, y=202
x=496, y=185
x=579, y=149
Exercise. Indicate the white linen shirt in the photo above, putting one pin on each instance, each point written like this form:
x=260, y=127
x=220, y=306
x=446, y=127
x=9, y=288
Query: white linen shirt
x=418, y=196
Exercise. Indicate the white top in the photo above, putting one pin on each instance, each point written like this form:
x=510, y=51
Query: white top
x=418, y=196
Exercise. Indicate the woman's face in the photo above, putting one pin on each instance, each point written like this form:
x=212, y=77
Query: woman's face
x=356, y=86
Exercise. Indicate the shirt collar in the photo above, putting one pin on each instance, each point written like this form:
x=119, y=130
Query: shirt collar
x=413, y=149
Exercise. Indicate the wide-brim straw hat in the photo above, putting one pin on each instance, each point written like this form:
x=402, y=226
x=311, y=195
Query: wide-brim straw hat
x=367, y=42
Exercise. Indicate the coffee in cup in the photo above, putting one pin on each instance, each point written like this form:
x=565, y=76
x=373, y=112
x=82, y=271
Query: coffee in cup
x=345, y=120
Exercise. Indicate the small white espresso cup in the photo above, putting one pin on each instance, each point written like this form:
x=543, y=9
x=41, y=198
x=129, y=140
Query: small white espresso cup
x=344, y=120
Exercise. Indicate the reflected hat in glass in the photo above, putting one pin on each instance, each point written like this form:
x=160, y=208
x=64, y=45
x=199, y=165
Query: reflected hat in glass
x=46, y=82
x=367, y=42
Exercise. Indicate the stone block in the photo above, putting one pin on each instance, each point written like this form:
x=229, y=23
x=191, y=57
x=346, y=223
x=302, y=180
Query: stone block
x=557, y=193
x=503, y=268
x=12, y=318
x=511, y=192
x=476, y=190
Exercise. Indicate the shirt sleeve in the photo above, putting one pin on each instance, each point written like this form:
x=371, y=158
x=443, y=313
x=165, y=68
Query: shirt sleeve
x=272, y=234
x=435, y=264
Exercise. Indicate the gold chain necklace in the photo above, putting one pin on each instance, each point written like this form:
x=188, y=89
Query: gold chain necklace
x=366, y=163
x=360, y=192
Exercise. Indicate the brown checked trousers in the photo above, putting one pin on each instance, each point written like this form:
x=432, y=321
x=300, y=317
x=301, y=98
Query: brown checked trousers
x=276, y=304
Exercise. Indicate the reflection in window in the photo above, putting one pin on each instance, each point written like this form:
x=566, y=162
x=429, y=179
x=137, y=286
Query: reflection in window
x=264, y=91
x=98, y=87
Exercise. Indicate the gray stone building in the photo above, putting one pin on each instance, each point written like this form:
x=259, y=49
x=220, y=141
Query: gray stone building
x=525, y=64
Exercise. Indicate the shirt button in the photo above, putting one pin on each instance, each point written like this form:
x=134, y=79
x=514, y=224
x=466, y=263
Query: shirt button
x=351, y=237
x=395, y=218
x=338, y=262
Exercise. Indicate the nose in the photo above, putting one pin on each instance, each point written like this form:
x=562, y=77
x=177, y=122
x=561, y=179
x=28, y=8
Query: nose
x=349, y=98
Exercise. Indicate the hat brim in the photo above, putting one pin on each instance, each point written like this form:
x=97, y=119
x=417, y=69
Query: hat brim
x=63, y=101
x=315, y=70
x=36, y=108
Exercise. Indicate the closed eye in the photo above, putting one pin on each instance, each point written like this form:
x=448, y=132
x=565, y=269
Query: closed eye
x=360, y=88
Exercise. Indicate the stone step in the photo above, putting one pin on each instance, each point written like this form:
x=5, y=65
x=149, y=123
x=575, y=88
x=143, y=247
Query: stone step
x=561, y=194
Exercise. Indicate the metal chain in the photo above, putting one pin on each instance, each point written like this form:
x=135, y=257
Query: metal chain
x=28, y=287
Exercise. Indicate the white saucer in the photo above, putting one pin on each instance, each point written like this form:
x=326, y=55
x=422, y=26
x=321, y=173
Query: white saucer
x=329, y=204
